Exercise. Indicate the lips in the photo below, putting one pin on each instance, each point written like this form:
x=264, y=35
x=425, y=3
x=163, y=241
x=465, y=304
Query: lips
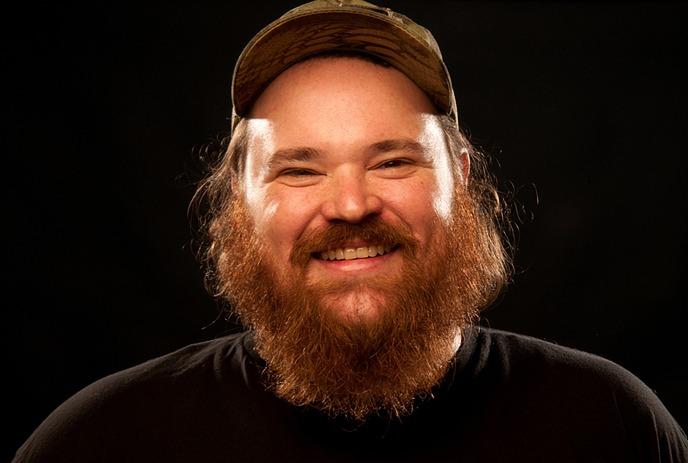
x=342, y=244
x=351, y=253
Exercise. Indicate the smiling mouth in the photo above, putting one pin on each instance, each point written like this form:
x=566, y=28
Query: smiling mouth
x=351, y=253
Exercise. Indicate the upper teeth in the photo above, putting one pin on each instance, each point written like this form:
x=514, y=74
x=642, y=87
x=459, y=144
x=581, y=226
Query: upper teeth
x=354, y=253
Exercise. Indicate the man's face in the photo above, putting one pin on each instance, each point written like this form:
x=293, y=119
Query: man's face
x=349, y=244
x=337, y=141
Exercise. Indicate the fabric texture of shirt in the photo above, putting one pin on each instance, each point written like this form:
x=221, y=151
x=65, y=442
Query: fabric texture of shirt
x=505, y=398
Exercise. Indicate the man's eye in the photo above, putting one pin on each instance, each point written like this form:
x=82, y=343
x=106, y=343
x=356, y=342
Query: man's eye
x=393, y=163
x=297, y=172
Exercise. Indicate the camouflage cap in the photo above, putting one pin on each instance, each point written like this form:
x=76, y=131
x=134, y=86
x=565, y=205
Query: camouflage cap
x=357, y=26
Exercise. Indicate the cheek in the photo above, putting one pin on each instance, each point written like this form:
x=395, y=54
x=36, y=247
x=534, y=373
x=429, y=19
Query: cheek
x=281, y=220
x=415, y=204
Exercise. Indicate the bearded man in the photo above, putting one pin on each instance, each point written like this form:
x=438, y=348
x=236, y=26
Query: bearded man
x=354, y=231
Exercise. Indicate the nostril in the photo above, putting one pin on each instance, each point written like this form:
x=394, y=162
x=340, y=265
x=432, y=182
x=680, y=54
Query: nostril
x=351, y=202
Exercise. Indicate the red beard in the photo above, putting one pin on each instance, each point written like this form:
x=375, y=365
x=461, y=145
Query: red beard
x=348, y=366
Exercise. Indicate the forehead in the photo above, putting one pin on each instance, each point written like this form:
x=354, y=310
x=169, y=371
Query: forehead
x=339, y=102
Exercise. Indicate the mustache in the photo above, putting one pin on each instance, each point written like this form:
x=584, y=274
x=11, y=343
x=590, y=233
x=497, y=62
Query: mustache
x=339, y=234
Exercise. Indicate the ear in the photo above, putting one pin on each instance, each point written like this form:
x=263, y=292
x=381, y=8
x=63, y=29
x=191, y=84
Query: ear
x=463, y=166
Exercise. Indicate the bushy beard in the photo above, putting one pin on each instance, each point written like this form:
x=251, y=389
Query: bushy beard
x=358, y=366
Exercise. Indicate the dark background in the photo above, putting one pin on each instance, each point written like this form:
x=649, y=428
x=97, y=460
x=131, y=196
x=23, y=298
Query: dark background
x=107, y=107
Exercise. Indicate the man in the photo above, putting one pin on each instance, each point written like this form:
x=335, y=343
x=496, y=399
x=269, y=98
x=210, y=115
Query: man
x=355, y=234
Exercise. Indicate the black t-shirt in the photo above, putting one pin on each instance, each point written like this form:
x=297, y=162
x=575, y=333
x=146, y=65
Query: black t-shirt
x=505, y=398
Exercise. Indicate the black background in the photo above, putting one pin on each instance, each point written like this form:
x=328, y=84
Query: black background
x=107, y=107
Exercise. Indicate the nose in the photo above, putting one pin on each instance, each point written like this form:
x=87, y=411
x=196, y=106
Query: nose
x=351, y=198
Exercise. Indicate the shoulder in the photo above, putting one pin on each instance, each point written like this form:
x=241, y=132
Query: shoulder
x=137, y=400
x=528, y=352
x=207, y=361
x=545, y=362
x=585, y=388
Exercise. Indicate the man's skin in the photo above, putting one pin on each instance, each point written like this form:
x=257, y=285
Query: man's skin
x=340, y=139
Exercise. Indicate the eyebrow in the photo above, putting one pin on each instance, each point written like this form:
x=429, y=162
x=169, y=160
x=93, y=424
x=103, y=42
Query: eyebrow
x=289, y=155
x=403, y=144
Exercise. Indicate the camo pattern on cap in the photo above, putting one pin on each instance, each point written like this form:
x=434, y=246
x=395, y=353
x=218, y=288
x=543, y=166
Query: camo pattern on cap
x=352, y=26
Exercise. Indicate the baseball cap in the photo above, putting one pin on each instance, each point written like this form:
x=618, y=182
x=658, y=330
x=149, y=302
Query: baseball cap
x=357, y=26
